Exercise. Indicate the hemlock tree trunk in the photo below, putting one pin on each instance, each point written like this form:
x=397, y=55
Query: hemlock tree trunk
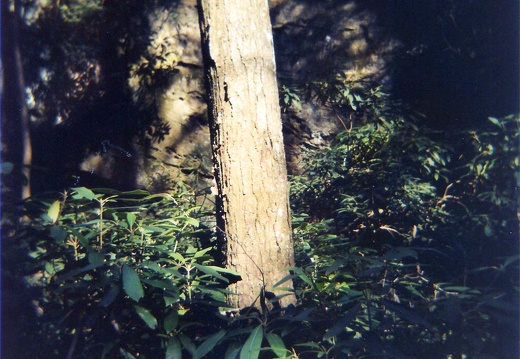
x=249, y=157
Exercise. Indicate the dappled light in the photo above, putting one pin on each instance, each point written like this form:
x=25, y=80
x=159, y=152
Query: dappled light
x=401, y=135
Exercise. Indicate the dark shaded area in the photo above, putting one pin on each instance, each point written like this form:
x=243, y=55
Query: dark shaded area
x=87, y=100
x=15, y=119
x=315, y=46
x=462, y=62
x=458, y=62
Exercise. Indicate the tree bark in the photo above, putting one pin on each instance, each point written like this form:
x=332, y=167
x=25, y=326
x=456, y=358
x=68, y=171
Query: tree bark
x=249, y=157
x=16, y=137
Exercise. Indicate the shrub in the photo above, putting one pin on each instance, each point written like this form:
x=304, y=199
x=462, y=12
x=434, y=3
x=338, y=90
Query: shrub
x=113, y=273
x=406, y=250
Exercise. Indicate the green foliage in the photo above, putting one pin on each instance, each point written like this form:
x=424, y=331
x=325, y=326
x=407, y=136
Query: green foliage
x=289, y=99
x=397, y=240
x=491, y=177
x=406, y=246
x=340, y=92
x=378, y=178
x=77, y=11
x=403, y=249
x=121, y=270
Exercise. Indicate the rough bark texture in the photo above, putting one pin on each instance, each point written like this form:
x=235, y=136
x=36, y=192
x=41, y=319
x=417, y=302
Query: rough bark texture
x=249, y=158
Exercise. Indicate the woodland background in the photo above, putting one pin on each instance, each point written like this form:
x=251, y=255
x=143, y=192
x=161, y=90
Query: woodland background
x=401, y=133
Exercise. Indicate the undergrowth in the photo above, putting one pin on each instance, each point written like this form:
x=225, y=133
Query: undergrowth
x=405, y=247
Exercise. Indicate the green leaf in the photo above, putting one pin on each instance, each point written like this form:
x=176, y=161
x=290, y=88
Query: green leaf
x=136, y=192
x=211, y=270
x=173, y=349
x=54, y=211
x=96, y=259
x=488, y=230
x=82, y=192
x=202, y=252
x=58, y=233
x=132, y=284
x=284, y=279
x=217, y=295
x=130, y=218
x=299, y=272
x=233, y=351
x=109, y=296
x=76, y=271
x=162, y=270
x=146, y=316
x=310, y=345
x=339, y=327
x=276, y=344
x=209, y=344
x=334, y=266
x=495, y=121
x=187, y=344
x=178, y=256
x=49, y=268
x=153, y=229
x=171, y=321
x=251, y=348
x=169, y=300
x=455, y=288
x=303, y=316
x=192, y=221
x=162, y=284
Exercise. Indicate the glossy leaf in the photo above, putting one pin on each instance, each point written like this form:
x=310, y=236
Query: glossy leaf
x=209, y=344
x=130, y=218
x=54, y=211
x=301, y=274
x=233, y=351
x=188, y=344
x=170, y=321
x=251, y=348
x=211, y=270
x=173, y=349
x=277, y=345
x=146, y=316
x=132, y=284
x=82, y=192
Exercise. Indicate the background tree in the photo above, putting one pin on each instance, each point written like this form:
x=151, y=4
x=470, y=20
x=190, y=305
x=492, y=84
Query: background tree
x=249, y=157
x=15, y=117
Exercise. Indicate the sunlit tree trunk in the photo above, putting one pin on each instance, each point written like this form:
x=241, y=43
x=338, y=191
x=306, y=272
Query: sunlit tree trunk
x=249, y=157
x=16, y=141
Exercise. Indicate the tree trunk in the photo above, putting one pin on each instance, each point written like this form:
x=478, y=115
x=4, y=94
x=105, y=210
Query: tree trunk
x=249, y=157
x=16, y=140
